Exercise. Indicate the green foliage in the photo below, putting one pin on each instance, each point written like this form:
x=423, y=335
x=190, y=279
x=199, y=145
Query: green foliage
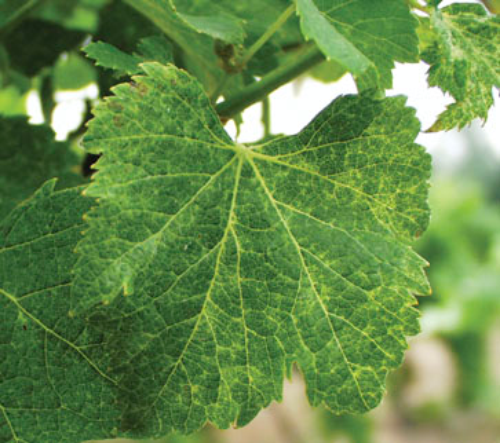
x=72, y=72
x=10, y=10
x=29, y=58
x=28, y=157
x=365, y=37
x=196, y=271
x=464, y=62
x=150, y=49
x=157, y=207
x=48, y=380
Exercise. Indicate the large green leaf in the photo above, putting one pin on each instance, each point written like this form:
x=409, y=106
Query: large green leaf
x=53, y=386
x=465, y=62
x=29, y=156
x=222, y=264
x=364, y=36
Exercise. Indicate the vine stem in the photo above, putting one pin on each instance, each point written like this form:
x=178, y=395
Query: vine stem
x=256, y=92
x=276, y=26
x=261, y=41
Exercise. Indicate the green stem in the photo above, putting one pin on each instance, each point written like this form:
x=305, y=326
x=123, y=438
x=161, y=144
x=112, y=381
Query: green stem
x=47, y=97
x=276, y=26
x=266, y=116
x=220, y=87
x=256, y=92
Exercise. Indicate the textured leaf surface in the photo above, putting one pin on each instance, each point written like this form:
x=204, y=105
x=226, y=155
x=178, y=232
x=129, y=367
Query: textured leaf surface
x=51, y=389
x=237, y=261
x=364, y=36
x=464, y=61
x=149, y=49
x=29, y=156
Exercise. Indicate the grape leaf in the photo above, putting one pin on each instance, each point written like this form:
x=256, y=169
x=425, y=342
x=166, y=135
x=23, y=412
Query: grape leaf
x=222, y=264
x=464, y=61
x=149, y=49
x=50, y=385
x=29, y=156
x=364, y=36
x=110, y=57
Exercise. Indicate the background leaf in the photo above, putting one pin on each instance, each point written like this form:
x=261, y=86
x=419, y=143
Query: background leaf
x=365, y=37
x=29, y=156
x=50, y=386
x=464, y=61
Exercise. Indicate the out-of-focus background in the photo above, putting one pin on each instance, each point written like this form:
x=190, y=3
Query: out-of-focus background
x=448, y=390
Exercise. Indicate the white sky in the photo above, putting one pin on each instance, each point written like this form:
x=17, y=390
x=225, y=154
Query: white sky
x=294, y=105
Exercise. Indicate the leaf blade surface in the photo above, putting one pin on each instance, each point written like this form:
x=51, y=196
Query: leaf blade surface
x=237, y=261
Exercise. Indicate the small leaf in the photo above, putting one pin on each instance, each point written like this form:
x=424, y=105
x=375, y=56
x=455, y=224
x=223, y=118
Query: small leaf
x=464, y=61
x=107, y=56
x=364, y=36
x=150, y=49
x=222, y=264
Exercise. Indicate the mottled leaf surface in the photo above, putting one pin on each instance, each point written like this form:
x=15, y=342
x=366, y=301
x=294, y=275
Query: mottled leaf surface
x=52, y=382
x=464, y=62
x=222, y=264
x=29, y=156
x=364, y=36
